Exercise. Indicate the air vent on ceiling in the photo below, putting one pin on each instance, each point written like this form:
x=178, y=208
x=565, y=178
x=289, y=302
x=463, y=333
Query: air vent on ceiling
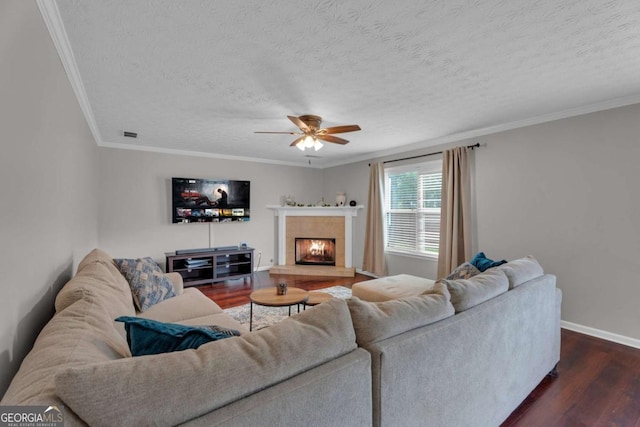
x=130, y=134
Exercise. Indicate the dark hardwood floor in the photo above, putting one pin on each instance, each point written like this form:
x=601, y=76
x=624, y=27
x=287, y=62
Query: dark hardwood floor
x=598, y=382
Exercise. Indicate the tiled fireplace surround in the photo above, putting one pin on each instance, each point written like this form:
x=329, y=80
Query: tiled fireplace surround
x=314, y=222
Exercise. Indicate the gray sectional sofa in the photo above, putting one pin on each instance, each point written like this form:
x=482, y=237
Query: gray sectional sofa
x=444, y=357
x=470, y=369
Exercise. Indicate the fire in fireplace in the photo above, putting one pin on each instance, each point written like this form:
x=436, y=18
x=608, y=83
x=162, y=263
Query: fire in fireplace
x=315, y=251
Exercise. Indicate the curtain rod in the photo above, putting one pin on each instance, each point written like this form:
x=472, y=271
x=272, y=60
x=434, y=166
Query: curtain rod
x=476, y=145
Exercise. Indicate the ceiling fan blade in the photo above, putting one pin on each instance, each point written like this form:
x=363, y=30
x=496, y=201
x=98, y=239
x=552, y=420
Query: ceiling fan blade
x=294, y=143
x=341, y=129
x=302, y=125
x=330, y=138
x=286, y=133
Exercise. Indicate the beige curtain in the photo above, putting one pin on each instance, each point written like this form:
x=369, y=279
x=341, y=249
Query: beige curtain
x=455, y=216
x=373, y=260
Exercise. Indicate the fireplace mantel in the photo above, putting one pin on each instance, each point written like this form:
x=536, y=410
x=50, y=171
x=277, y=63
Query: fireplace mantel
x=315, y=210
x=282, y=212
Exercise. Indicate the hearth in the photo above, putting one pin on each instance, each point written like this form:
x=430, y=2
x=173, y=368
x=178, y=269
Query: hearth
x=315, y=251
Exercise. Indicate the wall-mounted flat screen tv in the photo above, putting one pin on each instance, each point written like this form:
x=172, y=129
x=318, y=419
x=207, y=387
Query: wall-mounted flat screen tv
x=210, y=200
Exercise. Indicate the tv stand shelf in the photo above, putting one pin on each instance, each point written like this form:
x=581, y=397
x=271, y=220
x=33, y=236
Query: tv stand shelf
x=211, y=265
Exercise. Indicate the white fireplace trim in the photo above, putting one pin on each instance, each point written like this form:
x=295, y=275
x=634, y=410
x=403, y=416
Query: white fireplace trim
x=348, y=212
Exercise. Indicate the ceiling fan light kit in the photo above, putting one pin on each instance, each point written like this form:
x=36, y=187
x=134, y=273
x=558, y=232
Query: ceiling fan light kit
x=311, y=132
x=308, y=142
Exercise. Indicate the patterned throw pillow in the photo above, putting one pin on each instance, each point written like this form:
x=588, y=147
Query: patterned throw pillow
x=148, y=283
x=126, y=266
x=146, y=336
x=465, y=270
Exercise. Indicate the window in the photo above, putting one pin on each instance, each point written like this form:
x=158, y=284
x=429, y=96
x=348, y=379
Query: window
x=412, y=208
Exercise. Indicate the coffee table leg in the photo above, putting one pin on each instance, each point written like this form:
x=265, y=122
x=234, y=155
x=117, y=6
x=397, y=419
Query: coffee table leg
x=250, y=316
x=289, y=310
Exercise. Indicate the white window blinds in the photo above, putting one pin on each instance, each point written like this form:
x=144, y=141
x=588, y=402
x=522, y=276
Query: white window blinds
x=412, y=211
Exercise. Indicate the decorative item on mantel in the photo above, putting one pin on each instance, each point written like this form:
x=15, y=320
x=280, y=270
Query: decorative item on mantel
x=341, y=202
x=322, y=203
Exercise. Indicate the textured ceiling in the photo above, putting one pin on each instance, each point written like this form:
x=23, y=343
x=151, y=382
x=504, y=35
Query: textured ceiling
x=202, y=76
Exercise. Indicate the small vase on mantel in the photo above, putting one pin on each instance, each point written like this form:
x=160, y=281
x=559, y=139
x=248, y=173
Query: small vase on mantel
x=341, y=199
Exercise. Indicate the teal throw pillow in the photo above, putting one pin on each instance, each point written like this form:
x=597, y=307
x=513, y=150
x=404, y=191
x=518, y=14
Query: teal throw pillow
x=146, y=336
x=148, y=283
x=482, y=263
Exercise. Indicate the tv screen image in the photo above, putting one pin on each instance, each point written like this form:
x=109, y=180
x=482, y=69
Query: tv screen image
x=210, y=200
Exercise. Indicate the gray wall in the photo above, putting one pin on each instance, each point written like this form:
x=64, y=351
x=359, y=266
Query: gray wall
x=566, y=192
x=48, y=174
x=135, y=202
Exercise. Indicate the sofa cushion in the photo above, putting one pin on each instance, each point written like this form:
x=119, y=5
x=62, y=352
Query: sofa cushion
x=103, y=283
x=229, y=332
x=221, y=319
x=467, y=293
x=190, y=304
x=146, y=336
x=391, y=287
x=375, y=321
x=148, y=283
x=96, y=255
x=465, y=270
x=172, y=388
x=482, y=263
x=522, y=270
x=83, y=333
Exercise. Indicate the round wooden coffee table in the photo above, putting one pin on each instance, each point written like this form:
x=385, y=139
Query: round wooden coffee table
x=269, y=297
x=316, y=298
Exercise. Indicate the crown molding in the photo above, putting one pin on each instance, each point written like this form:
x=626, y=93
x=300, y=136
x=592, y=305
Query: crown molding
x=177, y=152
x=53, y=21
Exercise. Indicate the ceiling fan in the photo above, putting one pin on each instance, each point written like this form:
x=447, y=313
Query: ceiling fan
x=310, y=132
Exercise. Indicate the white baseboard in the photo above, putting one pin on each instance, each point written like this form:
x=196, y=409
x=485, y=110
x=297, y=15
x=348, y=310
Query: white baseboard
x=609, y=336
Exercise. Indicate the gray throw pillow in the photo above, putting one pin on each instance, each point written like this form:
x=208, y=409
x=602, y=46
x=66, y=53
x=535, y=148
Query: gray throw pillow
x=467, y=293
x=375, y=321
x=521, y=270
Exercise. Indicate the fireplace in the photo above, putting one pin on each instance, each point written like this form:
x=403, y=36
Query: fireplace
x=313, y=221
x=315, y=251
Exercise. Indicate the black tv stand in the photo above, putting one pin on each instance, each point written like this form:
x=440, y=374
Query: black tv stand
x=211, y=265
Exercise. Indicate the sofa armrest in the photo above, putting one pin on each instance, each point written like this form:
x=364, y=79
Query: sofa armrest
x=176, y=281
